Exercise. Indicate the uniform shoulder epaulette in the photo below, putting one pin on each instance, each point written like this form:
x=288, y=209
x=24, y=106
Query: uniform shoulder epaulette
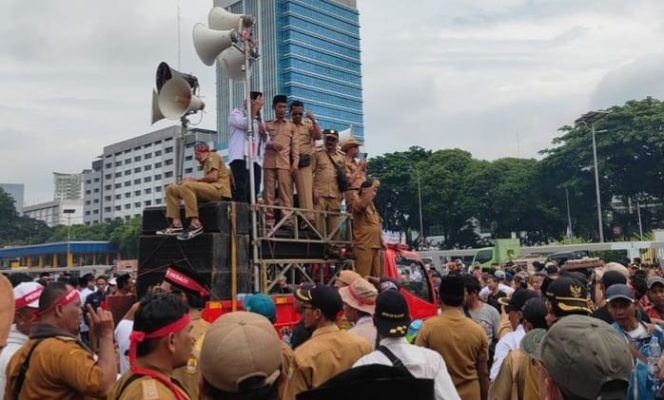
x=149, y=389
x=66, y=338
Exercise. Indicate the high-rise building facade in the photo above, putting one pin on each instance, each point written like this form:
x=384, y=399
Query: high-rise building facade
x=309, y=51
x=68, y=186
x=132, y=174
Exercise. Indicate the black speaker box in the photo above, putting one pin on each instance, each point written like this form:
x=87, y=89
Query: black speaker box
x=215, y=217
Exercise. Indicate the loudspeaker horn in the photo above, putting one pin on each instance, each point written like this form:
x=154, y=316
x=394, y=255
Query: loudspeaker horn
x=232, y=61
x=176, y=99
x=166, y=73
x=222, y=20
x=209, y=43
x=156, y=112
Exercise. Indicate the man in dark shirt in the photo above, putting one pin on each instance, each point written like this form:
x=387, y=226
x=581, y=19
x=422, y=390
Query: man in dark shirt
x=608, y=279
x=494, y=292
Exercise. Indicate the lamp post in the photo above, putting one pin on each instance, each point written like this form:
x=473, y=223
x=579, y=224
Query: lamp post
x=422, y=238
x=591, y=118
x=68, y=212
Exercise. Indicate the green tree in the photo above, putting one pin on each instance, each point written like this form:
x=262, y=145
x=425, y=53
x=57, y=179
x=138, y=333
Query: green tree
x=125, y=237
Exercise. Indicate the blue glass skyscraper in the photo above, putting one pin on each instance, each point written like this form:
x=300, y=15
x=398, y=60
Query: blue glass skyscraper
x=309, y=51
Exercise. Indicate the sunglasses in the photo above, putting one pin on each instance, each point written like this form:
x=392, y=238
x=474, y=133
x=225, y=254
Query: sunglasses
x=297, y=114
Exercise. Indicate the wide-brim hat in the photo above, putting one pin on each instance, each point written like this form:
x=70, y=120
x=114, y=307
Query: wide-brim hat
x=360, y=295
x=349, y=143
x=6, y=309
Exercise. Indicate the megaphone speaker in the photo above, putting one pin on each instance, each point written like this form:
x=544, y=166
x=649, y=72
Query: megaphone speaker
x=209, y=43
x=232, y=62
x=165, y=73
x=176, y=100
x=222, y=20
x=156, y=113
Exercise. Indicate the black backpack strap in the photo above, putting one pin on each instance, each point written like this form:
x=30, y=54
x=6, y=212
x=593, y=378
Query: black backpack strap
x=23, y=370
x=465, y=311
x=396, y=361
x=127, y=383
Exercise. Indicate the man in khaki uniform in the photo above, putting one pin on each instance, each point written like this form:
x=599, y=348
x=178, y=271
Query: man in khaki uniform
x=327, y=196
x=54, y=364
x=306, y=132
x=188, y=285
x=161, y=341
x=281, y=160
x=213, y=186
x=329, y=351
x=367, y=232
x=356, y=171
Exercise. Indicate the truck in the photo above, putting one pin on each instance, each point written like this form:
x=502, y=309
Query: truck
x=503, y=250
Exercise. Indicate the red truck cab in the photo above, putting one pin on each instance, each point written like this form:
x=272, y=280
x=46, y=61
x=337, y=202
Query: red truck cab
x=403, y=265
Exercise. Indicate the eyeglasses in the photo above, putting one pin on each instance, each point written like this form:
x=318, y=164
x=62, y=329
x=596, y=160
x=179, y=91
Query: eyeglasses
x=297, y=114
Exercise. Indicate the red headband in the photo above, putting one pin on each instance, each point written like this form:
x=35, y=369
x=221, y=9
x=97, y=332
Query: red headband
x=137, y=337
x=65, y=299
x=362, y=301
x=180, y=279
x=28, y=298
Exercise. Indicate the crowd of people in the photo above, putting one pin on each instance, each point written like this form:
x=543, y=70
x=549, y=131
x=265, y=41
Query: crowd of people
x=288, y=153
x=552, y=333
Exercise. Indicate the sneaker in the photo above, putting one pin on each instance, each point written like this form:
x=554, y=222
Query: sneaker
x=190, y=233
x=170, y=231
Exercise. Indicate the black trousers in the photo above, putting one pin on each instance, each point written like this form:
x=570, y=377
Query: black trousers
x=241, y=179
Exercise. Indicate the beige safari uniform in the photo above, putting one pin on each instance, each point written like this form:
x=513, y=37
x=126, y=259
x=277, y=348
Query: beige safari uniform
x=325, y=184
x=277, y=164
x=367, y=238
x=354, y=174
x=190, y=374
x=190, y=192
x=60, y=368
x=304, y=175
x=328, y=352
x=287, y=357
x=145, y=388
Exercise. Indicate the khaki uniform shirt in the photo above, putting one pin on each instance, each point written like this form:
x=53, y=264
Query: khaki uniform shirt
x=190, y=374
x=283, y=133
x=214, y=161
x=367, y=231
x=287, y=357
x=328, y=352
x=325, y=174
x=461, y=342
x=303, y=136
x=352, y=168
x=145, y=388
x=60, y=368
x=504, y=385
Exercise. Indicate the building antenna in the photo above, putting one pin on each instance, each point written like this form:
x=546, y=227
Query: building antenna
x=179, y=40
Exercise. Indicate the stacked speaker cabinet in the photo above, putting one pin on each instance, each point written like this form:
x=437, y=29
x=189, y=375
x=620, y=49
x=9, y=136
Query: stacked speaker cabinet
x=208, y=253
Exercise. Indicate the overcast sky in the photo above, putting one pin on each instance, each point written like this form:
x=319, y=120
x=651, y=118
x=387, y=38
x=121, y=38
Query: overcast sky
x=494, y=77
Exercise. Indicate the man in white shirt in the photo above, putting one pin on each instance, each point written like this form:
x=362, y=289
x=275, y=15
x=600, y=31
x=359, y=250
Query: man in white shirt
x=87, y=283
x=484, y=293
x=238, y=151
x=26, y=304
x=512, y=340
x=392, y=321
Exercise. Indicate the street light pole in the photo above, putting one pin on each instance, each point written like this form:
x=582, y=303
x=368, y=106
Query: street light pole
x=69, y=212
x=569, y=215
x=419, y=197
x=599, y=201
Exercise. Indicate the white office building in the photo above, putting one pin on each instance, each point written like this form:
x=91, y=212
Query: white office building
x=68, y=186
x=56, y=212
x=131, y=175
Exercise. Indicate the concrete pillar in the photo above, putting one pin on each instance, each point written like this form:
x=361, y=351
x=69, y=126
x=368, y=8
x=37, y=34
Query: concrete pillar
x=41, y=261
x=55, y=260
x=70, y=259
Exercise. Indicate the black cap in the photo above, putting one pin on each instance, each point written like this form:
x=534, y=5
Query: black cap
x=613, y=277
x=391, y=317
x=517, y=300
x=619, y=291
x=331, y=132
x=324, y=298
x=569, y=294
x=280, y=98
x=372, y=381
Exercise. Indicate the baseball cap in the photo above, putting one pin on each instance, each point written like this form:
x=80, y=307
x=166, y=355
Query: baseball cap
x=247, y=342
x=372, y=381
x=27, y=294
x=517, y=300
x=655, y=280
x=260, y=304
x=324, y=298
x=392, y=318
x=614, y=277
x=360, y=295
x=113, y=282
x=331, y=132
x=569, y=293
x=345, y=278
x=619, y=291
x=500, y=274
x=582, y=355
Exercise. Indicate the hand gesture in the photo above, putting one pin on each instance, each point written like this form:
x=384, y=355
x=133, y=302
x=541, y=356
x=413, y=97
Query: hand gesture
x=101, y=321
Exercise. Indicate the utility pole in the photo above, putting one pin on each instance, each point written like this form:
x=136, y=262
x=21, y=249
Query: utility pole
x=419, y=197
